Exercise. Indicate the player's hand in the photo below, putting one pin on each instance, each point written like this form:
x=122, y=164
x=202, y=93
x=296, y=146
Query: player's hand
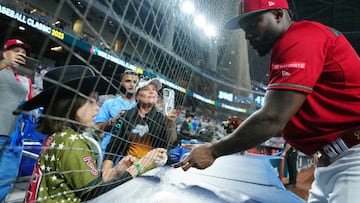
x=200, y=157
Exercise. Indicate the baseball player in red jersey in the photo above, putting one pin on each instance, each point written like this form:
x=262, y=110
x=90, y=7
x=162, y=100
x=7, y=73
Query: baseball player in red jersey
x=313, y=98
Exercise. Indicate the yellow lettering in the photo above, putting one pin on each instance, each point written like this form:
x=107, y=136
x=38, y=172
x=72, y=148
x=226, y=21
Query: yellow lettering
x=57, y=34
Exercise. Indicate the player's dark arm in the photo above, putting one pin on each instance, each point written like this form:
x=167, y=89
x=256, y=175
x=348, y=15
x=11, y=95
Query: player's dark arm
x=279, y=107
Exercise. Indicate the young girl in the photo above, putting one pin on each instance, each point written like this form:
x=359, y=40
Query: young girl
x=68, y=167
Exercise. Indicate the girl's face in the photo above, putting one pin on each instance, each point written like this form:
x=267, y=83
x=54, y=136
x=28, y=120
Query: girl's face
x=87, y=112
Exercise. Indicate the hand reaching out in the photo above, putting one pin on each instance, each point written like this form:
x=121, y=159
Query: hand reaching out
x=200, y=157
x=120, y=168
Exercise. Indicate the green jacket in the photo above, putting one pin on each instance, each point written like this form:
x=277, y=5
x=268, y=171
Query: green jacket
x=67, y=171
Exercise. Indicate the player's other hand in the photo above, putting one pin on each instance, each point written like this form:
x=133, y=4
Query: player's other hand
x=200, y=157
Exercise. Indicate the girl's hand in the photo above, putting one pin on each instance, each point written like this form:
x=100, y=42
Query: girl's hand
x=124, y=164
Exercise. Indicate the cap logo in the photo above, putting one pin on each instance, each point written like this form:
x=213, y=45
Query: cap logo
x=271, y=3
x=18, y=42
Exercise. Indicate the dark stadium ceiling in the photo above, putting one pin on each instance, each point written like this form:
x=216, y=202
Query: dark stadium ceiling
x=344, y=15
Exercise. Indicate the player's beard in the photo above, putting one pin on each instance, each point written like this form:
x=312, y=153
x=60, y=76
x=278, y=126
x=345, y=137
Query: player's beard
x=264, y=43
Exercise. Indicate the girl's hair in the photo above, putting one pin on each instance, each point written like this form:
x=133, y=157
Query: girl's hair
x=64, y=110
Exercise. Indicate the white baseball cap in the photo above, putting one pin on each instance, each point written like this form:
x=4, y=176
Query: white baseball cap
x=143, y=83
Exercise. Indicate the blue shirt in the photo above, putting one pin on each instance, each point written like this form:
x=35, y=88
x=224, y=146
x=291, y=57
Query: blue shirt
x=112, y=107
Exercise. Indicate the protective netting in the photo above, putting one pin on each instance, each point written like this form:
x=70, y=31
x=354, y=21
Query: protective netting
x=186, y=48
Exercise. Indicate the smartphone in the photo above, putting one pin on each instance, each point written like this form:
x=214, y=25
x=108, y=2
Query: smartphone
x=29, y=68
x=168, y=100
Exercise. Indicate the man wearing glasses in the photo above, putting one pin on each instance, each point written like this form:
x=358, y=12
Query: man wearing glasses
x=111, y=109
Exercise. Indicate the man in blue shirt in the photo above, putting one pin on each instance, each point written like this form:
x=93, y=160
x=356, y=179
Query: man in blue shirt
x=111, y=109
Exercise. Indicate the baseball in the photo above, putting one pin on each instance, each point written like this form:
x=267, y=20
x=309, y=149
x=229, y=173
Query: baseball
x=160, y=162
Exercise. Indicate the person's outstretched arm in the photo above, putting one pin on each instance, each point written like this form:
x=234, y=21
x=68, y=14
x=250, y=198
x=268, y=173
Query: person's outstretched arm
x=279, y=107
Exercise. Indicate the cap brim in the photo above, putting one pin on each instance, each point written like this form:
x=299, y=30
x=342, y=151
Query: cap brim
x=66, y=73
x=234, y=24
x=24, y=46
x=153, y=81
x=83, y=85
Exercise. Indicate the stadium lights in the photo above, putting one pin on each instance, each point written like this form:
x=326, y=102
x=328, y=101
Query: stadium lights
x=207, y=28
x=21, y=28
x=210, y=31
x=200, y=21
x=57, y=48
x=188, y=7
x=56, y=23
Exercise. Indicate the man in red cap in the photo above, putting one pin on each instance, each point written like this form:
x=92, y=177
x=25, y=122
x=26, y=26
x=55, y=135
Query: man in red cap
x=13, y=90
x=313, y=98
x=17, y=56
x=14, y=53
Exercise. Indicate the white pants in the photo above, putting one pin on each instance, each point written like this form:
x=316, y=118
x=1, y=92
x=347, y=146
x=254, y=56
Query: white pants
x=339, y=182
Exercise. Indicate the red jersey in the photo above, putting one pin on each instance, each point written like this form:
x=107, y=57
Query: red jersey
x=318, y=61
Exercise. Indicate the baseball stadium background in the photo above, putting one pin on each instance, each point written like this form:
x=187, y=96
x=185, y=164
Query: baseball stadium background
x=182, y=43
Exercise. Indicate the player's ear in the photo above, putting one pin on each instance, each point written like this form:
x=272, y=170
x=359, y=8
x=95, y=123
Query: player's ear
x=278, y=13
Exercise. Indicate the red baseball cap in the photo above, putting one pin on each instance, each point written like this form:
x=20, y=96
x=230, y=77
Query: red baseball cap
x=249, y=7
x=16, y=42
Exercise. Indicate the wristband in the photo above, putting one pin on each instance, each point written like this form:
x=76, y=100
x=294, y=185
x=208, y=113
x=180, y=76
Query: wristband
x=138, y=167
